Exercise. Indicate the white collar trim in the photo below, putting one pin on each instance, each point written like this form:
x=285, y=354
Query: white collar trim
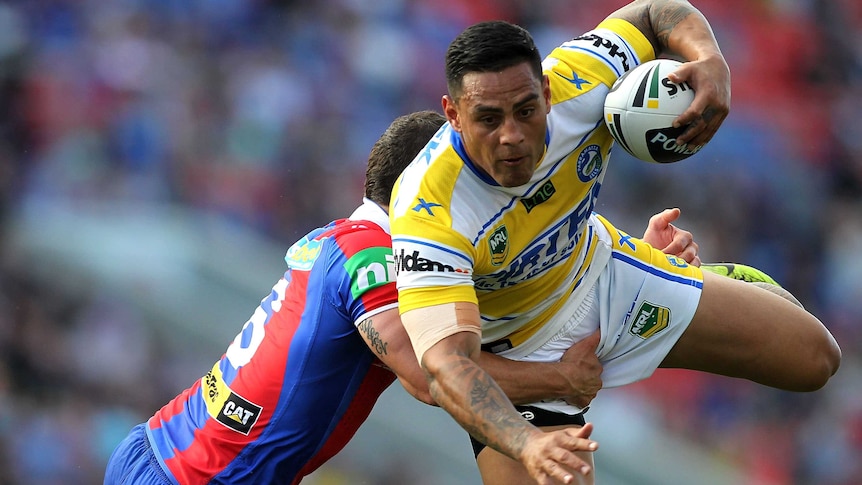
x=371, y=211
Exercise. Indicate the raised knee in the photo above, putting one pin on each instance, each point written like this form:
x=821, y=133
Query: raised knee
x=833, y=360
x=823, y=366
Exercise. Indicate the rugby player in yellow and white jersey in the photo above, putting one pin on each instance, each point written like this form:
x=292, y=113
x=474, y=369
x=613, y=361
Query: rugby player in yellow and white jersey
x=496, y=243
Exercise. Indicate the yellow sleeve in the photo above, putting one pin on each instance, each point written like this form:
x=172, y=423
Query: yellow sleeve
x=642, y=47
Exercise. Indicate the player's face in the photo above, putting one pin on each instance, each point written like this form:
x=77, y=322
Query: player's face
x=502, y=118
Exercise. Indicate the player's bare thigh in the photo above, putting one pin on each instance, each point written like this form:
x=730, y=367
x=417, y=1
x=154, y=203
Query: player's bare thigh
x=740, y=330
x=498, y=469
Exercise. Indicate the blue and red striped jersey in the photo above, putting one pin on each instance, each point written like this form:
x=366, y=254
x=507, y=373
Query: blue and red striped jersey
x=298, y=380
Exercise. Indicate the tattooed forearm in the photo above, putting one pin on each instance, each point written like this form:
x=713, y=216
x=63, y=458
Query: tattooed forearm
x=373, y=336
x=483, y=410
x=496, y=426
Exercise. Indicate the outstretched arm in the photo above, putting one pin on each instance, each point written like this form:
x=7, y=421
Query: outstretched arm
x=676, y=28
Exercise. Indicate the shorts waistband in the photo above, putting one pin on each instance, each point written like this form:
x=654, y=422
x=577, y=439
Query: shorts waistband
x=498, y=346
x=147, y=447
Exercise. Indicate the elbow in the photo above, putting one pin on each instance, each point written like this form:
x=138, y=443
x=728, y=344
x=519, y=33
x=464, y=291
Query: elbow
x=420, y=391
x=425, y=397
x=422, y=394
x=417, y=387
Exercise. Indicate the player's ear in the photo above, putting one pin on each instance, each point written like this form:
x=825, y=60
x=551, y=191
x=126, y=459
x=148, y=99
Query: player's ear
x=450, y=111
x=546, y=92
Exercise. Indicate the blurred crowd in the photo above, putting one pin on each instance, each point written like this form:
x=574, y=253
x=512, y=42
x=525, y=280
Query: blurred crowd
x=263, y=112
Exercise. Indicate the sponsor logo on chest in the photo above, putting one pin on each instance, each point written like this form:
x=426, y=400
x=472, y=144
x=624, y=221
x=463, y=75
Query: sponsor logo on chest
x=542, y=195
x=553, y=245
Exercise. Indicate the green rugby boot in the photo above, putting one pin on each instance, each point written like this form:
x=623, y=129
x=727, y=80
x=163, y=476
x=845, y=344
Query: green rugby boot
x=751, y=275
x=739, y=272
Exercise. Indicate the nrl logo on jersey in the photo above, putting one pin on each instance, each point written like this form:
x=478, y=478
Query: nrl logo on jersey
x=544, y=252
x=649, y=320
x=498, y=243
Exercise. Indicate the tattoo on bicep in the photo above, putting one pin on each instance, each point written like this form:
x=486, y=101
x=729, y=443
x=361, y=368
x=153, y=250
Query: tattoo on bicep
x=656, y=19
x=373, y=337
x=666, y=16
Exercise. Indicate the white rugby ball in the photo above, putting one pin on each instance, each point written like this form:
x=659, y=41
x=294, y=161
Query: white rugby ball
x=641, y=107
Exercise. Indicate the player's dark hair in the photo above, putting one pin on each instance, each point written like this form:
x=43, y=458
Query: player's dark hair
x=489, y=47
x=395, y=149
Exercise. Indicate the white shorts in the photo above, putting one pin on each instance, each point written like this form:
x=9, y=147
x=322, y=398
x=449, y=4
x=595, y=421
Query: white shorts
x=643, y=301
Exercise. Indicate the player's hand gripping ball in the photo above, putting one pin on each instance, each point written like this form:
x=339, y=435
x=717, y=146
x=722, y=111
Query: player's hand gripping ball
x=641, y=107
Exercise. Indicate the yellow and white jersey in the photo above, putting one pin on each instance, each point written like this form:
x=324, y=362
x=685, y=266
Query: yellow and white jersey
x=523, y=252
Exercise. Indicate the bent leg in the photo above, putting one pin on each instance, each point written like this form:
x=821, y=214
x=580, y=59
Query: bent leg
x=741, y=330
x=498, y=469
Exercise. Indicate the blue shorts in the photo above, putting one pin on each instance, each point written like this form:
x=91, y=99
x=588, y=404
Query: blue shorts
x=134, y=463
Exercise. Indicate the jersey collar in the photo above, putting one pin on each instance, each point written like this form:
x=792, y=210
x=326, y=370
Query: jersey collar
x=458, y=145
x=370, y=211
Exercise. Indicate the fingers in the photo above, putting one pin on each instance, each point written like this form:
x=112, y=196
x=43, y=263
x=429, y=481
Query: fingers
x=701, y=125
x=684, y=247
x=661, y=233
x=581, y=401
x=576, y=439
x=562, y=460
x=584, y=347
x=690, y=250
x=692, y=118
x=585, y=431
x=659, y=229
x=583, y=370
x=681, y=242
x=592, y=341
x=552, y=457
x=710, y=79
x=661, y=220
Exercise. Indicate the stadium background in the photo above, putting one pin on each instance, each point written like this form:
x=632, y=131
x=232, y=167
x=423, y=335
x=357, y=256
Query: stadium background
x=157, y=157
